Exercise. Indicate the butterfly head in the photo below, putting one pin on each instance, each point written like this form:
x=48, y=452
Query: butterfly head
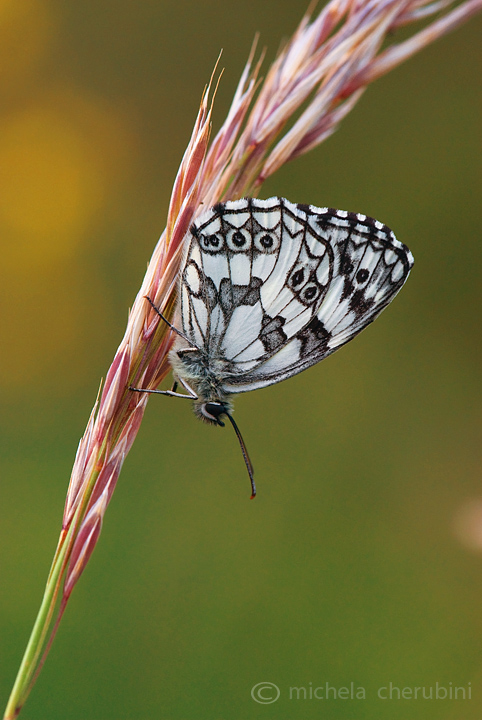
x=211, y=412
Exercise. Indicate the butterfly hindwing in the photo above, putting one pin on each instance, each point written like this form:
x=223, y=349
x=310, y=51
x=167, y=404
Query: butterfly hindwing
x=272, y=288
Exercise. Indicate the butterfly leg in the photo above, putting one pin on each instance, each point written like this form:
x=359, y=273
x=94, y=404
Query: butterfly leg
x=178, y=332
x=186, y=387
x=170, y=393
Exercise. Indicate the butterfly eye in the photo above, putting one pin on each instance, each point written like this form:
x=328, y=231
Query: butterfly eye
x=266, y=242
x=238, y=240
x=212, y=411
x=211, y=243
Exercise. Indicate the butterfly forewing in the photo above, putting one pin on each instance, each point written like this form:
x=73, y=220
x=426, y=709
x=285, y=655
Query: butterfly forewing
x=272, y=288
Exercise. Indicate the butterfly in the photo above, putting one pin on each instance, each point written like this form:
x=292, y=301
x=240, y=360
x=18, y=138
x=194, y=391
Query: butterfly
x=267, y=289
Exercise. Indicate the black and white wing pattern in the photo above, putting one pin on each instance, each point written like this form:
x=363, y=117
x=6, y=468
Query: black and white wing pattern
x=270, y=288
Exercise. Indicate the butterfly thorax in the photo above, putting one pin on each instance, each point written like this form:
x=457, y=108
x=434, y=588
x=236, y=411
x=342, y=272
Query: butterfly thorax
x=205, y=375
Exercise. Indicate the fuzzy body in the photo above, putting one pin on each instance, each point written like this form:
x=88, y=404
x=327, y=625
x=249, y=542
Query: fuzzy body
x=203, y=374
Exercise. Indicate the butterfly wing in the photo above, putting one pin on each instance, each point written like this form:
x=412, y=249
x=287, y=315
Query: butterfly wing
x=271, y=288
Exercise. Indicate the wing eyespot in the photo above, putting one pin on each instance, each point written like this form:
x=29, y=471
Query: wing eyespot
x=310, y=293
x=238, y=240
x=362, y=276
x=211, y=243
x=266, y=242
x=297, y=278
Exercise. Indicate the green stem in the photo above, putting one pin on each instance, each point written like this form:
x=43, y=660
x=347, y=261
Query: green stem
x=42, y=623
x=29, y=667
x=33, y=658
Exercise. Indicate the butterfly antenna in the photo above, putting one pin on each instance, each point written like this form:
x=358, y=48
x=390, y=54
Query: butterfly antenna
x=249, y=466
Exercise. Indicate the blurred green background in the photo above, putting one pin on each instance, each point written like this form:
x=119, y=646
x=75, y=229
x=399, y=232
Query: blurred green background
x=361, y=559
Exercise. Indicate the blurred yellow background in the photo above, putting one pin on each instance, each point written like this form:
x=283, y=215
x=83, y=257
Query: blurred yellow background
x=361, y=559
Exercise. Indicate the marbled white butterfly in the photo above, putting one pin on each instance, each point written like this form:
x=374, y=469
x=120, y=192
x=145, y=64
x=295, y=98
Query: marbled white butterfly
x=269, y=288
